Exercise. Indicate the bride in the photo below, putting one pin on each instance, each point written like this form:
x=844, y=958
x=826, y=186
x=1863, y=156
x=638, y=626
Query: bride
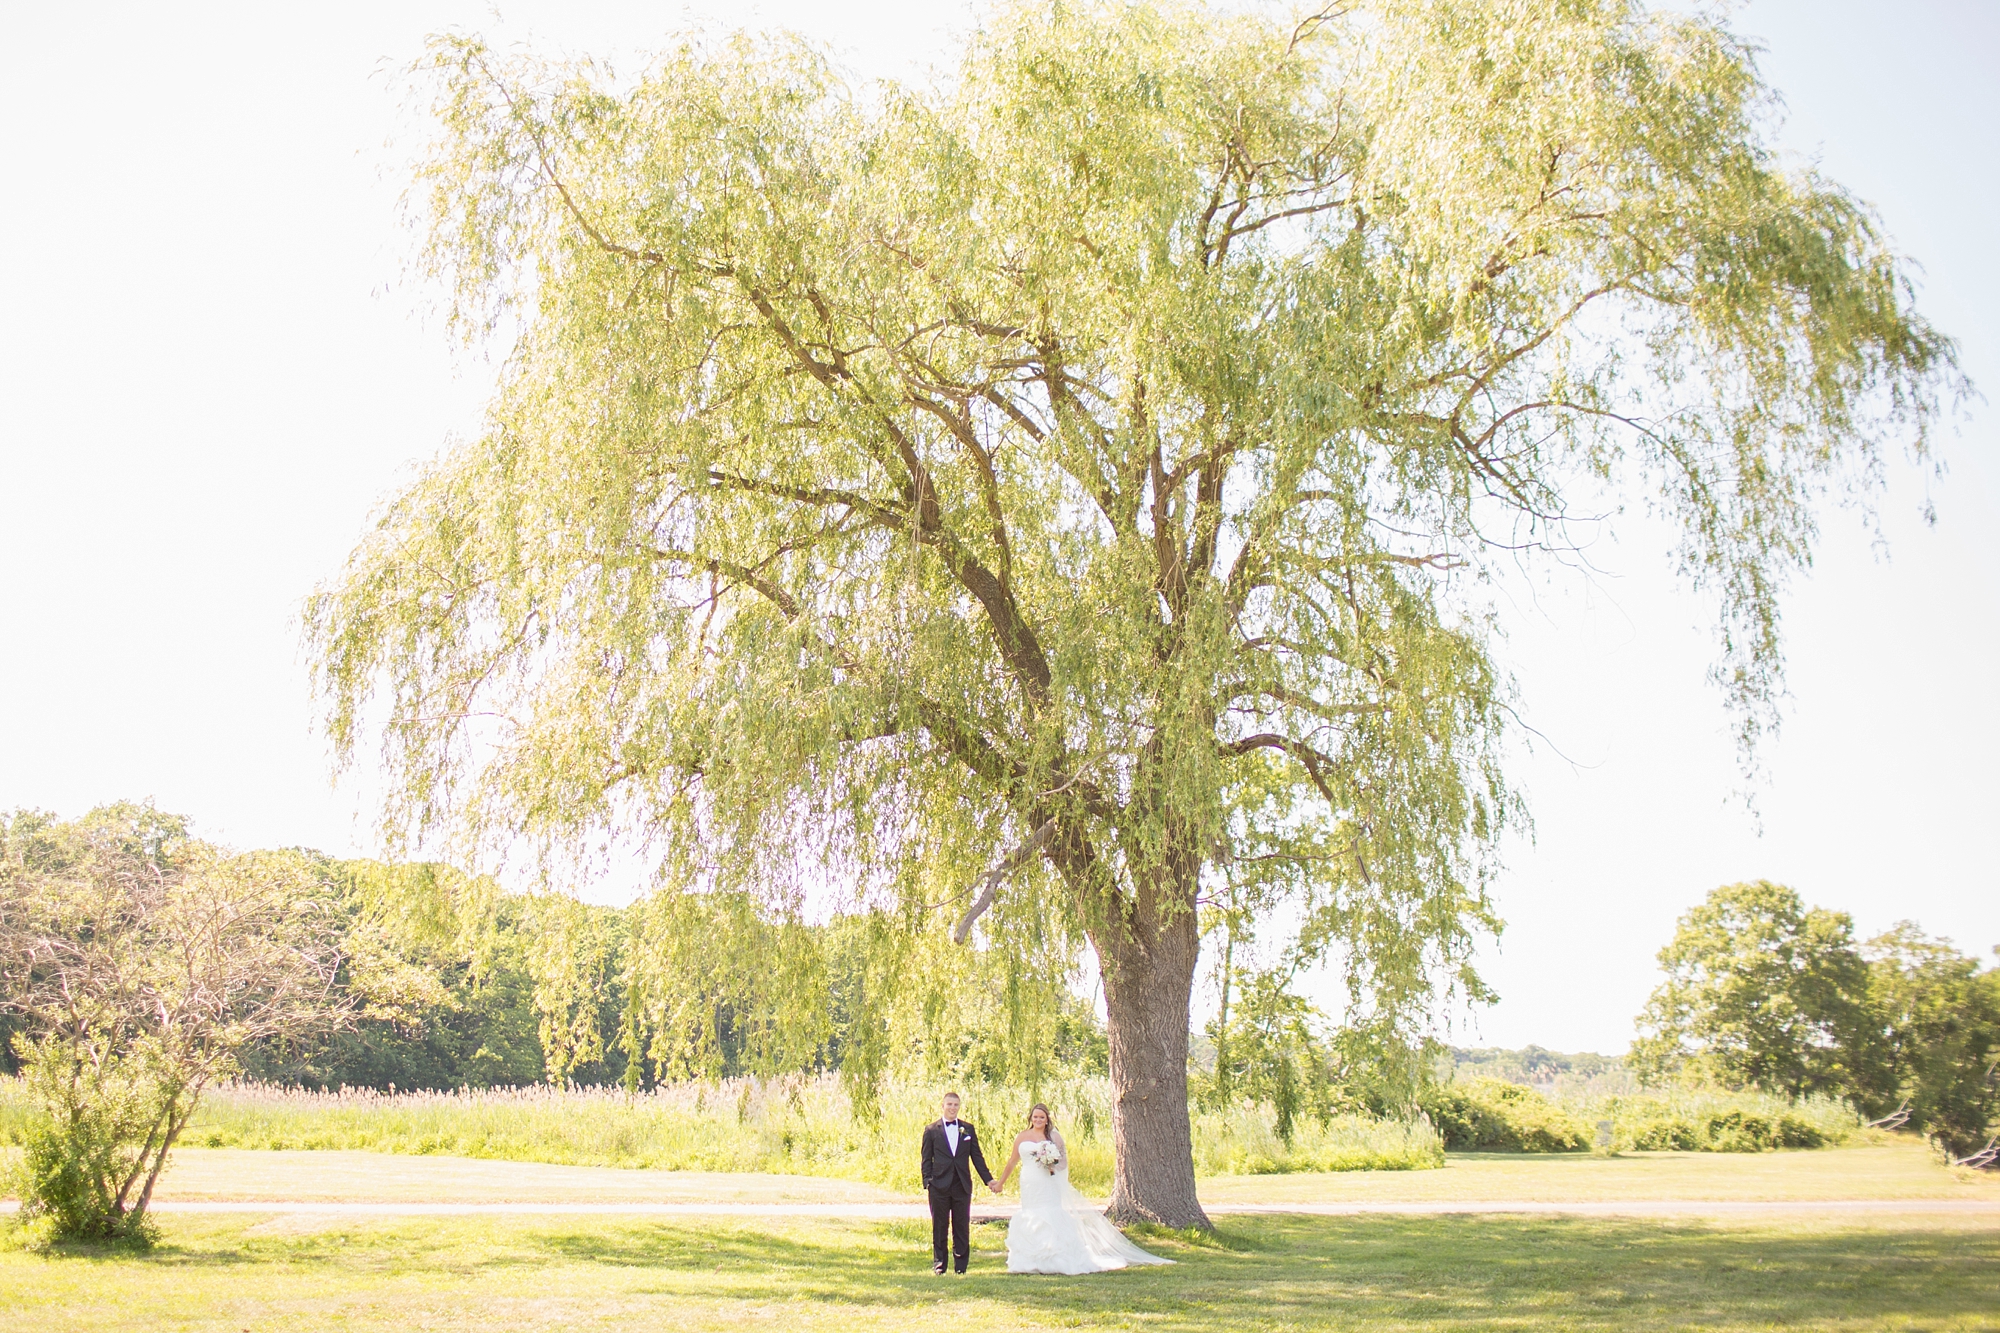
x=1056, y=1231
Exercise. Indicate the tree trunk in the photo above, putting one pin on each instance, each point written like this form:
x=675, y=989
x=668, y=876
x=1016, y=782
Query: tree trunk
x=174, y=1129
x=1148, y=968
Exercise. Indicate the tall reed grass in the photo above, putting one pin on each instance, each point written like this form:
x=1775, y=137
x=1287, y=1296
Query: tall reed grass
x=795, y=1125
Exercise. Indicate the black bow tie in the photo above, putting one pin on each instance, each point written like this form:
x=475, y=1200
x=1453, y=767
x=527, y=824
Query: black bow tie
x=951, y=1124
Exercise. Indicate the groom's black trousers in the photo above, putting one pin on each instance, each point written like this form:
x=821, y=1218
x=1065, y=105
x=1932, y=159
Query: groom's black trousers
x=952, y=1207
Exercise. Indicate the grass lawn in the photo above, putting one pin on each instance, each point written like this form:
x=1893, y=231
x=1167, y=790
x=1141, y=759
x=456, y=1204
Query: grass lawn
x=1376, y=1273
x=258, y=1271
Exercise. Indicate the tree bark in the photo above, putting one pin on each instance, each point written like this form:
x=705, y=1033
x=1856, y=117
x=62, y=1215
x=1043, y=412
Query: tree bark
x=1148, y=962
x=176, y=1124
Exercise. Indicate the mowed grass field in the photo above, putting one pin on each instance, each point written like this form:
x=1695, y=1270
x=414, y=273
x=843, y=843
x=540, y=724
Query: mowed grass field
x=1262, y=1273
x=300, y=1270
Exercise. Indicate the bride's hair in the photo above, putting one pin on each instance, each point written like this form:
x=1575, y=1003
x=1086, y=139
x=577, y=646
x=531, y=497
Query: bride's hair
x=1048, y=1121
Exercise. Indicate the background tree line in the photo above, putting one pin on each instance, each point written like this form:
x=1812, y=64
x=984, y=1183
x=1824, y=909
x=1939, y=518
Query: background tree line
x=459, y=982
x=141, y=966
x=1762, y=991
x=443, y=979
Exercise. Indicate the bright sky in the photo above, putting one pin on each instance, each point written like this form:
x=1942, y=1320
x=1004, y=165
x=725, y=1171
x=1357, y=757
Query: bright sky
x=209, y=377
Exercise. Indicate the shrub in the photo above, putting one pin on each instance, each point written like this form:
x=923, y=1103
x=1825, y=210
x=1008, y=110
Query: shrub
x=1486, y=1114
x=1491, y=1115
x=1715, y=1121
x=1669, y=1134
x=82, y=1154
x=1725, y=1131
x=139, y=963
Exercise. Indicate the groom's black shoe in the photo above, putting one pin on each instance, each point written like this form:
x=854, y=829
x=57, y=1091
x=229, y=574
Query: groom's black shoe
x=937, y=1270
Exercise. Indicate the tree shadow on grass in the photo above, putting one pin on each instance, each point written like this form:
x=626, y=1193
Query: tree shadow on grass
x=1441, y=1272
x=1383, y=1273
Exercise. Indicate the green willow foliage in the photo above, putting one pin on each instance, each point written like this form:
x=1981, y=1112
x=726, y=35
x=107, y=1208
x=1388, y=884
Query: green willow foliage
x=712, y=986
x=456, y=982
x=1101, y=453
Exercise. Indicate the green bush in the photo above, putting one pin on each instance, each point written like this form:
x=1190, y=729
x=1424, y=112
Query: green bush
x=1492, y=1115
x=82, y=1154
x=1708, y=1120
x=1666, y=1134
x=1727, y=1131
x=61, y=1180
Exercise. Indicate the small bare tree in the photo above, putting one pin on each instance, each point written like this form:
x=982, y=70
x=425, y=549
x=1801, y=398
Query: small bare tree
x=142, y=962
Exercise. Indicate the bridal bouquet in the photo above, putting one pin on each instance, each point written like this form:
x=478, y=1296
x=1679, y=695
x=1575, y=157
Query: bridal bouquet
x=1045, y=1155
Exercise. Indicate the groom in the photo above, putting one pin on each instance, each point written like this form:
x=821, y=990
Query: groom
x=951, y=1150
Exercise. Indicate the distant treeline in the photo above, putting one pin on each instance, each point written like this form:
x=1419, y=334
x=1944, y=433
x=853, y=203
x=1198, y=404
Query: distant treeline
x=440, y=1005
x=452, y=981
x=1529, y=1065
x=457, y=982
x=1762, y=991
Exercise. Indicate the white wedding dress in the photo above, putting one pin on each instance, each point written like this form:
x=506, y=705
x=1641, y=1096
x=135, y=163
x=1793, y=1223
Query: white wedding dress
x=1057, y=1231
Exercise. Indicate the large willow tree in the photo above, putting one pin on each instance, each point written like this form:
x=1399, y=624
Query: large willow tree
x=1086, y=470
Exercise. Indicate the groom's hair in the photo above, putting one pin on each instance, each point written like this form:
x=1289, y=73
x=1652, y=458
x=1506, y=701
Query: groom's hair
x=952, y=1097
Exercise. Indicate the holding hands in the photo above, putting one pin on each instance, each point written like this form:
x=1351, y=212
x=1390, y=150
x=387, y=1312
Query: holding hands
x=1038, y=1143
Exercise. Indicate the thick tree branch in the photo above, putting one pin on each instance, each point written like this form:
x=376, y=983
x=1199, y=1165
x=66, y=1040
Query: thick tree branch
x=1314, y=761
x=998, y=875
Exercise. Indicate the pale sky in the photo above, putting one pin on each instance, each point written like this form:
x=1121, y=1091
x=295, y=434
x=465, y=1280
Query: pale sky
x=210, y=375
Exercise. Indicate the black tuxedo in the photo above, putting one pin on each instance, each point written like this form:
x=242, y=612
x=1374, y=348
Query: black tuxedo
x=948, y=1178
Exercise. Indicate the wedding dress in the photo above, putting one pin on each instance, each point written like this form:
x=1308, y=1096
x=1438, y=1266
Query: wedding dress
x=1057, y=1231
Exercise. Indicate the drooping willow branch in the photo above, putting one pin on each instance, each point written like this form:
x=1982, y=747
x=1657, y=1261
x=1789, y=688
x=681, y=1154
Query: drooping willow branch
x=992, y=880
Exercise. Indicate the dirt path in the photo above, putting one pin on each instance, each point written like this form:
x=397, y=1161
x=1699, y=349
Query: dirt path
x=993, y=1212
